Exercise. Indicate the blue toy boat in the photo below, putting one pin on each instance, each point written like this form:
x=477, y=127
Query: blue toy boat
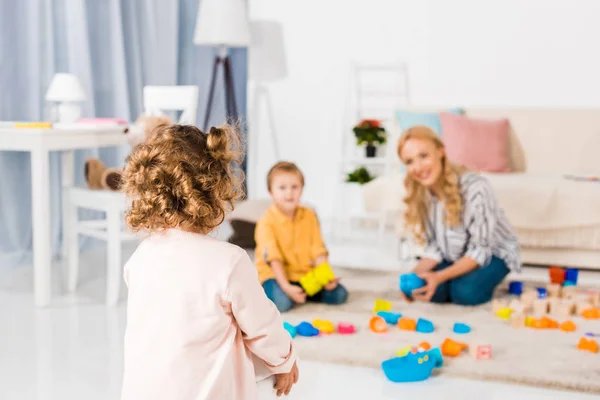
x=413, y=367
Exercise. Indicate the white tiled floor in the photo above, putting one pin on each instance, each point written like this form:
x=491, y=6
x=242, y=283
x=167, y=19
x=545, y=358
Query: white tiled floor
x=73, y=350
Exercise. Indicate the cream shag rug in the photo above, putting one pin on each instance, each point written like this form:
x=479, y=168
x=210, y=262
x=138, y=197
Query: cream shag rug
x=544, y=358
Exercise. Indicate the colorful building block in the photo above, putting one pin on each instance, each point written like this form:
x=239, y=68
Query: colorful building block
x=568, y=326
x=314, y=281
x=557, y=275
x=324, y=326
x=377, y=324
x=345, y=328
x=542, y=293
x=424, y=326
x=504, y=313
x=461, y=328
x=390, y=317
x=587, y=344
x=571, y=275
x=553, y=290
x=306, y=329
x=407, y=324
x=481, y=351
x=410, y=282
x=290, y=328
x=515, y=287
x=591, y=313
x=381, y=305
x=452, y=348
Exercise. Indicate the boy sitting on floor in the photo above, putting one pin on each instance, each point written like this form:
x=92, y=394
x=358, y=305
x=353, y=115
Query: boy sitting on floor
x=289, y=243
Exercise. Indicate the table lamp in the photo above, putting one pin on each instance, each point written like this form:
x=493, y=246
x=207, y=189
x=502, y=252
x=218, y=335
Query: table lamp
x=66, y=90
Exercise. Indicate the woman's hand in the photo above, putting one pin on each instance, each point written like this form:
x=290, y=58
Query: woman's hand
x=432, y=281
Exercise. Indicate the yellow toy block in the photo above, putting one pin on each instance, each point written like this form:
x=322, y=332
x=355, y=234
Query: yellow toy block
x=504, y=313
x=324, y=326
x=382, y=305
x=33, y=125
x=404, y=351
x=316, y=278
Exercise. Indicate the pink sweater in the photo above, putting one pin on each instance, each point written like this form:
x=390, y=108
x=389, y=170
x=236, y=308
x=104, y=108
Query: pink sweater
x=197, y=317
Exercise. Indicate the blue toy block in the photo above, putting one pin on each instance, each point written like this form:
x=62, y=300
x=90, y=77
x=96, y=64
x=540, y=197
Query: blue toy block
x=410, y=282
x=424, y=326
x=461, y=328
x=515, y=287
x=290, y=328
x=568, y=283
x=306, y=329
x=412, y=367
x=390, y=317
x=542, y=293
x=571, y=275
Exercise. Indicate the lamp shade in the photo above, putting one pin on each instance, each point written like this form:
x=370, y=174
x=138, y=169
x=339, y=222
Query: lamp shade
x=222, y=23
x=65, y=87
x=267, y=52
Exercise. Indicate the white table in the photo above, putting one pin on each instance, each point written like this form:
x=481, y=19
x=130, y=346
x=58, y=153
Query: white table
x=40, y=142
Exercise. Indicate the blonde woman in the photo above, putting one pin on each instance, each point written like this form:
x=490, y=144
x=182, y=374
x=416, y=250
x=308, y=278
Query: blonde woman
x=469, y=244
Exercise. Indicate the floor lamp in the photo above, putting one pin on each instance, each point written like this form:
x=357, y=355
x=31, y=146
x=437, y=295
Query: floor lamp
x=267, y=64
x=222, y=24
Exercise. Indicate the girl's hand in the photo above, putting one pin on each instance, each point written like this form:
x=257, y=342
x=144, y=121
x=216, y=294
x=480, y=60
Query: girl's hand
x=425, y=293
x=284, y=382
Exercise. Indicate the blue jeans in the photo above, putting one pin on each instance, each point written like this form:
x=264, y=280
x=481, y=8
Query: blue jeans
x=339, y=295
x=476, y=287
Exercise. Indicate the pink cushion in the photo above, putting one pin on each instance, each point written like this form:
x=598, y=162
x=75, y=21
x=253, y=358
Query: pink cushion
x=478, y=144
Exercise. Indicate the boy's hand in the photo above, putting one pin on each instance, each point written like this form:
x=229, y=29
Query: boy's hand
x=332, y=285
x=296, y=293
x=284, y=382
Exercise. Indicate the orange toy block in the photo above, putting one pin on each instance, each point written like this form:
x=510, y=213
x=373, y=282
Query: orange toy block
x=591, y=313
x=377, y=324
x=568, y=326
x=407, y=324
x=541, y=323
x=425, y=345
x=551, y=324
x=452, y=348
x=586, y=344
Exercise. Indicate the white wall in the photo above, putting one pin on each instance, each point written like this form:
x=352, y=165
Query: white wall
x=459, y=52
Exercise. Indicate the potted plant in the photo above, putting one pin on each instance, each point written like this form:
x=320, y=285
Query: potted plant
x=370, y=132
x=360, y=175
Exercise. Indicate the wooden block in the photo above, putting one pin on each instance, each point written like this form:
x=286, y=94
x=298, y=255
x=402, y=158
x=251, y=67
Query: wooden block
x=595, y=298
x=553, y=290
x=498, y=305
x=516, y=306
x=540, y=306
x=553, y=305
x=481, y=351
x=517, y=320
x=565, y=308
x=568, y=292
x=528, y=297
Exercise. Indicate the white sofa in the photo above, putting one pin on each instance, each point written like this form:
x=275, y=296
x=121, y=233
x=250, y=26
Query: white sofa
x=556, y=219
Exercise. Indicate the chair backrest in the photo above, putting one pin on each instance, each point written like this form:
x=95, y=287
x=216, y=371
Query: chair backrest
x=158, y=99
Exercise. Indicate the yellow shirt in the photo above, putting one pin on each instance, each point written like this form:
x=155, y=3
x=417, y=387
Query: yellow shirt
x=296, y=243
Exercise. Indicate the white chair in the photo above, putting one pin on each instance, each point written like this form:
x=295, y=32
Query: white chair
x=157, y=100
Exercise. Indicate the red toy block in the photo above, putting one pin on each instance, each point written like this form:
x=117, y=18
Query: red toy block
x=557, y=275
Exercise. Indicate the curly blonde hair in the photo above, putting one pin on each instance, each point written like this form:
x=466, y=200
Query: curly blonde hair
x=183, y=178
x=417, y=195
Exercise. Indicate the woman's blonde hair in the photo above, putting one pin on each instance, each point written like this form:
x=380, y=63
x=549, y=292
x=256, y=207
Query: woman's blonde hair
x=417, y=195
x=183, y=178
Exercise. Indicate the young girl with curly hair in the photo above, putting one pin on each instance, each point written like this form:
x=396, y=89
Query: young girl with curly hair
x=199, y=325
x=469, y=244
